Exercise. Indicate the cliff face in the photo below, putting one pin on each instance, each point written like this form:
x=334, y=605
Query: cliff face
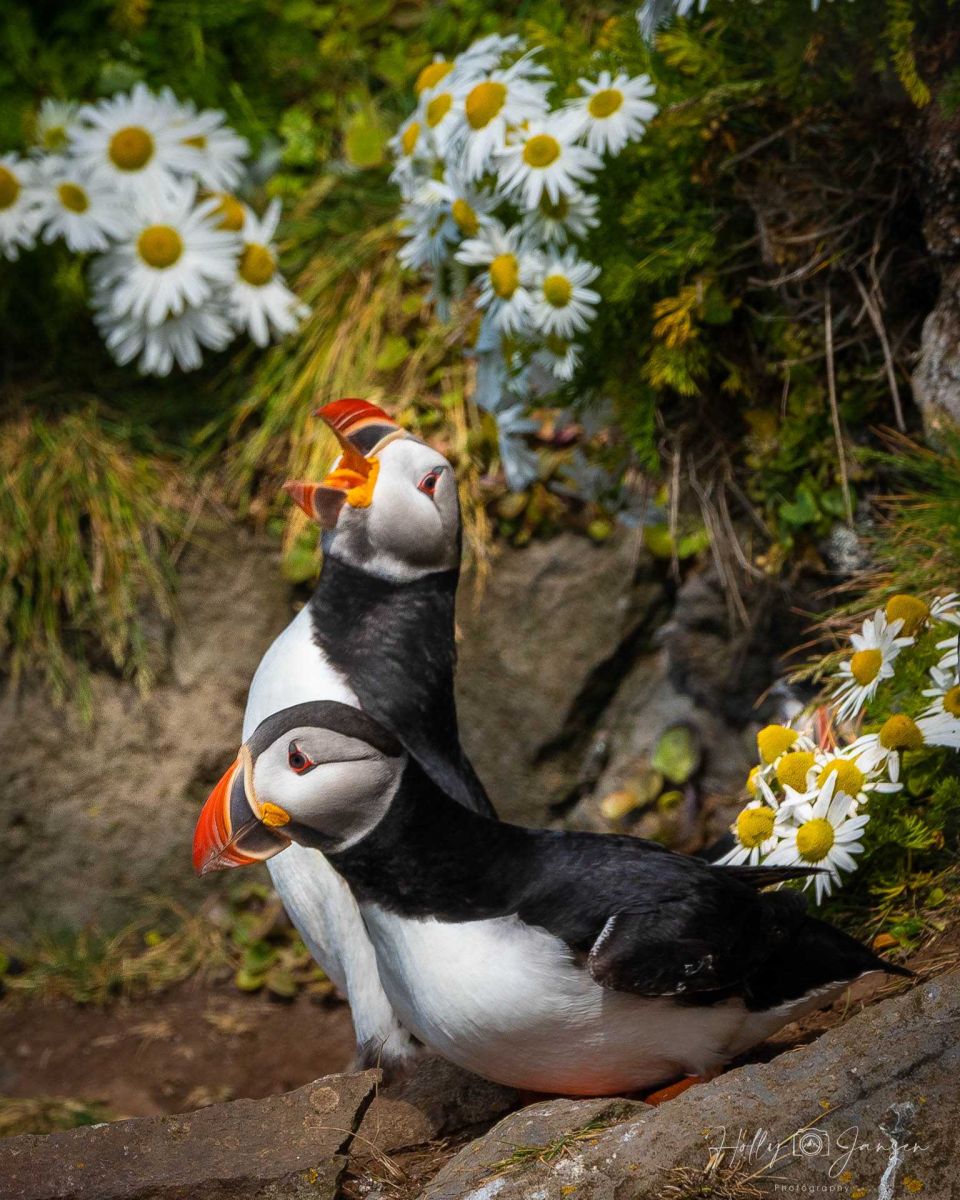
x=936, y=377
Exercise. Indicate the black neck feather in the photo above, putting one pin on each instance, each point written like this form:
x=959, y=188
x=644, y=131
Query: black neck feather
x=394, y=642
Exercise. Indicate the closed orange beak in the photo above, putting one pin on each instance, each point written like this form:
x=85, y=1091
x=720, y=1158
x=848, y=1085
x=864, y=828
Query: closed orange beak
x=229, y=833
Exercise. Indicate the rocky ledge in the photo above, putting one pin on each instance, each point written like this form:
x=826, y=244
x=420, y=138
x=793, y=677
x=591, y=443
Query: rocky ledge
x=869, y=1110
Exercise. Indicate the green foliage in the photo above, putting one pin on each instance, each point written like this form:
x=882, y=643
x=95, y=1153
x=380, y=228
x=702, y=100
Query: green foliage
x=87, y=525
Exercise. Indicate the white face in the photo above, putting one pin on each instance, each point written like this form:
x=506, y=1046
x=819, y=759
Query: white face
x=338, y=786
x=411, y=527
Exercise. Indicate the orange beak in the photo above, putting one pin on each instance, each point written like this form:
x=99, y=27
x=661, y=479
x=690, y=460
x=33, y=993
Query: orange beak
x=362, y=430
x=229, y=833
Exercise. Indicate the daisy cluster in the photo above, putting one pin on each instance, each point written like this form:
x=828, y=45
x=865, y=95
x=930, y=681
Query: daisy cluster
x=654, y=13
x=145, y=185
x=497, y=188
x=809, y=800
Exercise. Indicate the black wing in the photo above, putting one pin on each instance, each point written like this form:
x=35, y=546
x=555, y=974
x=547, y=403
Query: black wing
x=694, y=935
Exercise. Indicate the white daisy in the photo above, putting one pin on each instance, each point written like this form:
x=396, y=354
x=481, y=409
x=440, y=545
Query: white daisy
x=946, y=608
x=821, y=834
x=613, y=110
x=484, y=54
x=413, y=155
x=654, y=13
x=84, y=212
x=875, y=649
x=54, y=124
x=562, y=302
x=216, y=150
x=572, y=216
x=259, y=301
x=132, y=141
x=855, y=776
x=755, y=829
x=438, y=115
x=542, y=160
x=900, y=733
x=442, y=213
x=176, y=340
x=20, y=207
x=774, y=741
x=558, y=356
x=511, y=268
x=504, y=98
x=943, y=693
x=171, y=255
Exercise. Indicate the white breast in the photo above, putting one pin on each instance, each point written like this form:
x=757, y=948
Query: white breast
x=509, y=1002
x=293, y=671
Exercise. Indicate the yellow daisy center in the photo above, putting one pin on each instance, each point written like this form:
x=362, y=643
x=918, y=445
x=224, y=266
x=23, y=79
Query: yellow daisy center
x=900, y=732
x=754, y=826
x=556, y=344
x=793, y=767
x=865, y=666
x=410, y=136
x=815, y=839
x=159, y=246
x=557, y=290
x=775, y=740
x=465, y=217
x=484, y=102
x=9, y=188
x=198, y=141
x=257, y=265
x=605, y=103
x=541, y=150
x=910, y=609
x=73, y=197
x=850, y=778
x=54, y=138
x=231, y=213
x=131, y=148
x=505, y=275
x=431, y=75
x=438, y=108
x=752, y=786
x=951, y=702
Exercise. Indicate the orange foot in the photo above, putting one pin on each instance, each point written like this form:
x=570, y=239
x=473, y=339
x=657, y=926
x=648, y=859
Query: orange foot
x=674, y=1089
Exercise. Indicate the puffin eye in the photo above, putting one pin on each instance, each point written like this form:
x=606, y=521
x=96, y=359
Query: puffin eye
x=428, y=484
x=298, y=761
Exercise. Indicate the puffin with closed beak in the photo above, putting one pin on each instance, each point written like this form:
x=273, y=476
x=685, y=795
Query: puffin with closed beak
x=576, y=963
x=377, y=635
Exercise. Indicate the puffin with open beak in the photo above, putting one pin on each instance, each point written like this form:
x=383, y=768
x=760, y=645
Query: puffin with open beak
x=576, y=963
x=377, y=636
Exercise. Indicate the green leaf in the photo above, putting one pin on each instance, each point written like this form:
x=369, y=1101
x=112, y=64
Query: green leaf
x=394, y=351
x=365, y=139
x=677, y=754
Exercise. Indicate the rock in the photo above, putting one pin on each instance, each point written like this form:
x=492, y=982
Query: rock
x=936, y=377
x=94, y=816
x=516, y=1151
x=288, y=1147
x=544, y=648
x=868, y=1110
x=436, y=1100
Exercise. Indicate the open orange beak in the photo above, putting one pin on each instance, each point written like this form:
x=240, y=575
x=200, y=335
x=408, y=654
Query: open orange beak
x=229, y=833
x=362, y=430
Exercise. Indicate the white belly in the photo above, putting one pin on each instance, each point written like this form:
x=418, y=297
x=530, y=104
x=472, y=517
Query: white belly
x=509, y=1002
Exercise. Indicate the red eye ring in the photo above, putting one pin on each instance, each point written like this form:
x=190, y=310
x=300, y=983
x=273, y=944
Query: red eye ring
x=428, y=484
x=297, y=761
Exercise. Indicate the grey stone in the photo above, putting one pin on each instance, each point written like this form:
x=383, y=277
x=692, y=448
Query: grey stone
x=436, y=1100
x=288, y=1147
x=936, y=377
x=870, y=1109
x=93, y=816
x=540, y=1139
x=544, y=648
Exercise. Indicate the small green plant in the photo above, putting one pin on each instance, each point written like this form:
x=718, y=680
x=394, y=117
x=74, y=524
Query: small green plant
x=42, y=1115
